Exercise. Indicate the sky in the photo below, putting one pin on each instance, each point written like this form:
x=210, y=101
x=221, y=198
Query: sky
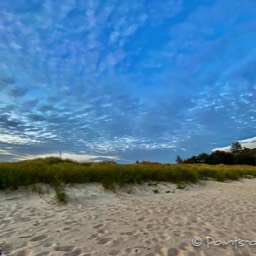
x=125, y=80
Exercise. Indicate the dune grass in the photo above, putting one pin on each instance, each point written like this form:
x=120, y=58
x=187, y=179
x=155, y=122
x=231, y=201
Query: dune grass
x=54, y=171
x=57, y=172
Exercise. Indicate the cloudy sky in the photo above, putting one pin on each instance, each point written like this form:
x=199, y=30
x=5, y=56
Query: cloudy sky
x=125, y=80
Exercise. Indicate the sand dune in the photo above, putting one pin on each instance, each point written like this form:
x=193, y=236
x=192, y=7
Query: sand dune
x=134, y=221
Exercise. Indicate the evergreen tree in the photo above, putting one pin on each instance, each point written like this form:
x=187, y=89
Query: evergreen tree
x=236, y=147
x=178, y=159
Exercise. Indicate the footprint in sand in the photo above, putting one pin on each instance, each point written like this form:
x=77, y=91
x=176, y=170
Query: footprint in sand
x=8, y=233
x=133, y=251
x=50, y=244
x=168, y=252
x=64, y=248
x=21, y=253
x=5, y=248
x=76, y=252
x=98, y=226
x=38, y=238
x=104, y=240
x=129, y=233
x=43, y=254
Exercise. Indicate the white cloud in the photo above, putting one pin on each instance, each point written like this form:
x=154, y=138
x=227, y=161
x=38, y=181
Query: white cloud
x=70, y=155
x=131, y=29
x=15, y=139
x=5, y=152
x=114, y=36
x=247, y=143
x=111, y=60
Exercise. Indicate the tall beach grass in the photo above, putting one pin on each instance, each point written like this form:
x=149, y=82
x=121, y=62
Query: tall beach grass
x=54, y=171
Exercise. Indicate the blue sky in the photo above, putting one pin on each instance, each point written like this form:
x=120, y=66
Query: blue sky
x=125, y=80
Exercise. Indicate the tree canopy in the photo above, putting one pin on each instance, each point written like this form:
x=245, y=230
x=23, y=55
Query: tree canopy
x=236, y=155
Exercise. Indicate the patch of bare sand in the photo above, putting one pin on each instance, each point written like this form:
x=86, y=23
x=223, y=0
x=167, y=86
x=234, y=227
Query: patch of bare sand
x=150, y=219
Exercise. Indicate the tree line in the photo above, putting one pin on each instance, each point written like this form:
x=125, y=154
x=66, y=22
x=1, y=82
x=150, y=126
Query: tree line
x=236, y=155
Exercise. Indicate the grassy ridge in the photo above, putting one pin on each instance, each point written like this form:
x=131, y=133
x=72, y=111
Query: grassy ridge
x=55, y=171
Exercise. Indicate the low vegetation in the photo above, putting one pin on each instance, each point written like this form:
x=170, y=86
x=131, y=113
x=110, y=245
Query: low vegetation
x=57, y=172
x=60, y=193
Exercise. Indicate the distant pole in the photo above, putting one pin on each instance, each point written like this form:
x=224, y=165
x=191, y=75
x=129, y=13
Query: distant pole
x=60, y=153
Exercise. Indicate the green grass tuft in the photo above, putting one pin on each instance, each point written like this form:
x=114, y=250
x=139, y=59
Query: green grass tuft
x=60, y=193
x=181, y=185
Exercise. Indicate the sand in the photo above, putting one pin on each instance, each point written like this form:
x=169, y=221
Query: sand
x=150, y=219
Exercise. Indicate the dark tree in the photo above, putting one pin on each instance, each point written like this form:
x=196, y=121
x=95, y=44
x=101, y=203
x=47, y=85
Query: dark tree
x=237, y=155
x=236, y=147
x=246, y=156
x=191, y=160
x=203, y=158
x=178, y=159
x=222, y=157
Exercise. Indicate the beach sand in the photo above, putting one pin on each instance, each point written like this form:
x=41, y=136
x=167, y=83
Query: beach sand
x=150, y=219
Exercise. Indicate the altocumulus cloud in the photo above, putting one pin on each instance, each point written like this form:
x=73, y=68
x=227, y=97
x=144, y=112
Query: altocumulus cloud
x=127, y=80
